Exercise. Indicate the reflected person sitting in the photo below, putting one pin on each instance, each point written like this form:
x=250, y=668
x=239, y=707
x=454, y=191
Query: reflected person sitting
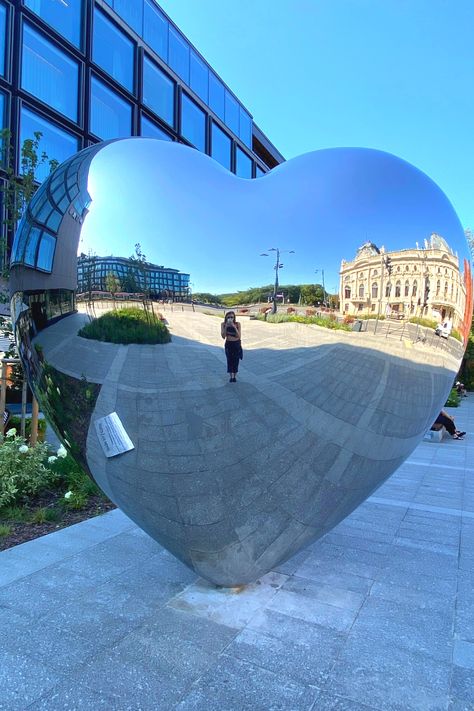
x=448, y=422
x=231, y=331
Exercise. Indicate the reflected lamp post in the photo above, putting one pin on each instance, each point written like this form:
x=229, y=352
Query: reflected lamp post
x=324, y=288
x=278, y=265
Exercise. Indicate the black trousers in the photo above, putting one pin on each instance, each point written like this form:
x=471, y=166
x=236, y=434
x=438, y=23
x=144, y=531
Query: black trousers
x=449, y=424
x=232, y=351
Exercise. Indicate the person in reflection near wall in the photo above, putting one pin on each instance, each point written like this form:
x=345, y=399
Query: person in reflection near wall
x=448, y=422
x=231, y=331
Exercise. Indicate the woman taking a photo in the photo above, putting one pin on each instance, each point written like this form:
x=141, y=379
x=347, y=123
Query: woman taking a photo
x=231, y=331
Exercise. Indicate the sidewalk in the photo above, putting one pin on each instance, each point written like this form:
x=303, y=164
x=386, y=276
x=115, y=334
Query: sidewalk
x=378, y=615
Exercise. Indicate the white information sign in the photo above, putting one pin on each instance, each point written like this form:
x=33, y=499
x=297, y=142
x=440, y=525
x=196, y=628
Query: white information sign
x=112, y=435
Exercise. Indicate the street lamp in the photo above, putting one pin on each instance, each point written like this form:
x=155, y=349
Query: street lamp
x=324, y=289
x=277, y=266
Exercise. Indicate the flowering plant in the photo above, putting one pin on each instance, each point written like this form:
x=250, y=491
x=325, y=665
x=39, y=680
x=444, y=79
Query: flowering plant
x=23, y=469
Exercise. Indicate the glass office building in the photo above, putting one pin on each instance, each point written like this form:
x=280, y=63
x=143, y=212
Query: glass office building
x=158, y=282
x=83, y=71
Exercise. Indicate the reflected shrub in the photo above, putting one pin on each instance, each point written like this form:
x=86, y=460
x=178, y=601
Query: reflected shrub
x=129, y=325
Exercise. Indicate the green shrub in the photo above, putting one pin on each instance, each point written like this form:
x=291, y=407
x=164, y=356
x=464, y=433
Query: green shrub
x=23, y=469
x=427, y=322
x=75, y=500
x=325, y=322
x=454, y=399
x=45, y=515
x=14, y=513
x=5, y=531
x=129, y=325
x=15, y=421
x=73, y=478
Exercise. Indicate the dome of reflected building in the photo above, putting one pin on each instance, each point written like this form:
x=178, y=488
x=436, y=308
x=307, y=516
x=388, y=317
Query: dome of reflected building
x=424, y=282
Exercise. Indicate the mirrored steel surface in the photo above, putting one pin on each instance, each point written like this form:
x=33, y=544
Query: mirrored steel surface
x=235, y=478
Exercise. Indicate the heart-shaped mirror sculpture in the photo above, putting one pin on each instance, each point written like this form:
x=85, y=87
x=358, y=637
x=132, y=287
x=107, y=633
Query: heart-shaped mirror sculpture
x=235, y=477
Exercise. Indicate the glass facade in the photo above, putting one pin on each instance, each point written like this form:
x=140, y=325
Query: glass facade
x=155, y=29
x=216, y=96
x=199, y=77
x=3, y=38
x=113, y=51
x=57, y=143
x=64, y=17
x=72, y=75
x=151, y=130
x=221, y=146
x=178, y=55
x=158, y=91
x=193, y=123
x=131, y=12
x=243, y=164
x=232, y=113
x=49, y=74
x=2, y=112
x=111, y=115
x=158, y=281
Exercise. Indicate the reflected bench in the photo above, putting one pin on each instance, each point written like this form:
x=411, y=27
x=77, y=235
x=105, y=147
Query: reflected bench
x=435, y=434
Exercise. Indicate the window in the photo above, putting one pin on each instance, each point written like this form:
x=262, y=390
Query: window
x=2, y=114
x=415, y=288
x=193, y=123
x=347, y=292
x=245, y=128
x=220, y=146
x=216, y=95
x=3, y=38
x=158, y=91
x=398, y=288
x=438, y=287
x=64, y=17
x=151, y=130
x=375, y=290
x=199, y=77
x=243, y=164
x=131, y=12
x=55, y=142
x=155, y=29
x=361, y=291
x=232, y=113
x=49, y=74
x=259, y=172
x=407, y=288
x=46, y=252
x=112, y=50
x=178, y=55
x=33, y=238
x=111, y=116
x=388, y=289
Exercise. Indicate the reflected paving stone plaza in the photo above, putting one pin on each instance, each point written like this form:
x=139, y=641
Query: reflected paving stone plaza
x=233, y=480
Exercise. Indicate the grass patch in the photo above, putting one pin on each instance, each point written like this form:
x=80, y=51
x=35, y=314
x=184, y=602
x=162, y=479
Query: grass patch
x=130, y=325
x=16, y=514
x=45, y=515
x=316, y=320
x=5, y=531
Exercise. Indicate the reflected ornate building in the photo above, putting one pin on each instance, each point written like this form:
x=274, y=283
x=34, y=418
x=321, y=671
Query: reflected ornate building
x=425, y=282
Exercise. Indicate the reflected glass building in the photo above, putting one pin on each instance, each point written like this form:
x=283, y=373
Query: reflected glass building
x=83, y=71
x=94, y=274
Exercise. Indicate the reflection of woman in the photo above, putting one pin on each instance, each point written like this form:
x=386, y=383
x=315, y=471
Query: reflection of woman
x=230, y=330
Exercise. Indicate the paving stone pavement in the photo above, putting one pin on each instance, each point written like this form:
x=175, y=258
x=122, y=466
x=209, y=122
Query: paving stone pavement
x=376, y=616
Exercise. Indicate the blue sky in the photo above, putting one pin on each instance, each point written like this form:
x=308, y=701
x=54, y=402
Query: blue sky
x=395, y=75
